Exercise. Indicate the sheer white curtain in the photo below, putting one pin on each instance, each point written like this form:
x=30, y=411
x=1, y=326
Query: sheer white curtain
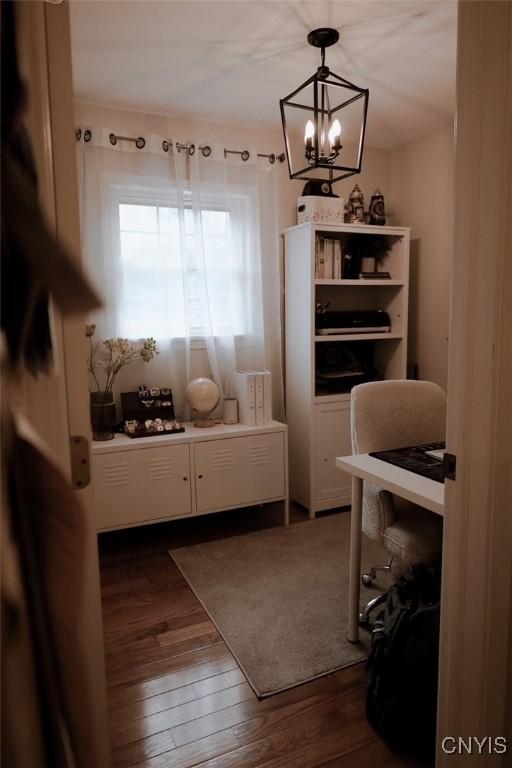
x=184, y=248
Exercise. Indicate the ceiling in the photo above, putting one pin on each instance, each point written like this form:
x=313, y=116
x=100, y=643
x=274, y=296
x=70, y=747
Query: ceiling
x=232, y=61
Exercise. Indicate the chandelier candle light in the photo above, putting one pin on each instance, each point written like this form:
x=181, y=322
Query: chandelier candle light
x=334, y=107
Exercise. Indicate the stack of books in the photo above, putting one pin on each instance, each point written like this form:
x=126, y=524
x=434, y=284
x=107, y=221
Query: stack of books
x=334, y=262
x=253, y=390
x=328, y=263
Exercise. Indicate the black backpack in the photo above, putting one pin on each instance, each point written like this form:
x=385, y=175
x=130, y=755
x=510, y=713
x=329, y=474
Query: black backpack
x=402, y=667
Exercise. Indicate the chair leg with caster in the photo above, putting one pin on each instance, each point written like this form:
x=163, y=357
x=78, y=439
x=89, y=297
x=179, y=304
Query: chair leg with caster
x=364, y=616
x=369, y=577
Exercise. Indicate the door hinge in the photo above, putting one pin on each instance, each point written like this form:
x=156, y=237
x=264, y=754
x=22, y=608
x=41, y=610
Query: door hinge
x=449, y=466
x=80, y=463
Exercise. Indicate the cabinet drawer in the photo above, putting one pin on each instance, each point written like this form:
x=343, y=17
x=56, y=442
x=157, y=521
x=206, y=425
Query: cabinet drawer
x=239, y=471
x=141, y=485
x=332, y=439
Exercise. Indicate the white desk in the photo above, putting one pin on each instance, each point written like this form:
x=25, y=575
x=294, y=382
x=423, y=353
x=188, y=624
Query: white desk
x=408, y=485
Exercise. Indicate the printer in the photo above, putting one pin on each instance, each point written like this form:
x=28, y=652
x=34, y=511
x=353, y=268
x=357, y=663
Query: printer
x=337, y=322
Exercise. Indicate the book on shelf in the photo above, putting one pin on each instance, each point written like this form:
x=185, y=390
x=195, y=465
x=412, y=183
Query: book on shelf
x=320, y=258
x=337, y=268
x=253, y=390
x=258, y=380
x=267, y=397
x=328, y=258
x=245, y=392
x=374, y=275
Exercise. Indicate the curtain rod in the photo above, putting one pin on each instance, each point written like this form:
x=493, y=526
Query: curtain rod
x=205, y=149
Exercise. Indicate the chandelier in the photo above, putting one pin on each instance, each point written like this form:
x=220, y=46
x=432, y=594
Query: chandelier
x=324, y=121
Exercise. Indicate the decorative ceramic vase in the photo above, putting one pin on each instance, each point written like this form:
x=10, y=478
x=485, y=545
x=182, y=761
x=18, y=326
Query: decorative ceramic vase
x=103, y=415
x=356, y=206
x=230, y=415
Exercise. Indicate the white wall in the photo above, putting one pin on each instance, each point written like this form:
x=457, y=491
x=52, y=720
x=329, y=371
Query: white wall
x=421, y=197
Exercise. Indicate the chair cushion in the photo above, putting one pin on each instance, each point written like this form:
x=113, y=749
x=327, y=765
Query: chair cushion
x=416, y=535
x=378, y=511
x=395, y=414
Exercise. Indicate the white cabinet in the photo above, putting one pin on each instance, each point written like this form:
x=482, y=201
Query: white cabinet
x=319, y=364
x=197, y=472
x=239, y=471
x=149, y=484
x=332, y=438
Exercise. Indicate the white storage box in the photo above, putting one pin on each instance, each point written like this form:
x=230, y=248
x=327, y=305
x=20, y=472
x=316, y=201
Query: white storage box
x=320, y=210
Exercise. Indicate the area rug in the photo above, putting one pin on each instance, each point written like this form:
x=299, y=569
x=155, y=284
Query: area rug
x=279, y=598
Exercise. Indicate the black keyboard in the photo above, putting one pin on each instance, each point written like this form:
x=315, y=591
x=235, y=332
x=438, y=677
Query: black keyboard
x=415, y=459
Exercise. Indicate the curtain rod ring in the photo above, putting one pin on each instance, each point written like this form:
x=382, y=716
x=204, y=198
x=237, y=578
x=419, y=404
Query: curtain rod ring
x=166, y=145
x=140, y=141
x=206, y=150
x=87, y=134
x=244, y=154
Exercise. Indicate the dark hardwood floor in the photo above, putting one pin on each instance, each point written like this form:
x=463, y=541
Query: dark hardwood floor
x=176, y=695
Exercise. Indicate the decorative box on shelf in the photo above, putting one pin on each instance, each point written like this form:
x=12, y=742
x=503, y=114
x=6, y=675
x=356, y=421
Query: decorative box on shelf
x=148, y=413
x=320, y=210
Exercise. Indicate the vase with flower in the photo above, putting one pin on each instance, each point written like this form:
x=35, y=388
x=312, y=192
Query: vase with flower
x=105, y=359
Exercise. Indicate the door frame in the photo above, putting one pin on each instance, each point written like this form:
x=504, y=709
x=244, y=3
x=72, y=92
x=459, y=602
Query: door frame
x=57, y=404
x=476, y=614
x=476, y=627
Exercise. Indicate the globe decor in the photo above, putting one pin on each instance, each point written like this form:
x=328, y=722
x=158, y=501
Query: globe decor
x=203, y=395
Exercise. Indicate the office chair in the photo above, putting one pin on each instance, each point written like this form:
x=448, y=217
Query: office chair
x=387, y=415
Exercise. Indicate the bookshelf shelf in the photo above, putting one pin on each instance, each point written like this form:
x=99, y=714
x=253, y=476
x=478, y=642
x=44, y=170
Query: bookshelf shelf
x=320, y=369
x=359, y=283
x=343, y=397
x=359, y=337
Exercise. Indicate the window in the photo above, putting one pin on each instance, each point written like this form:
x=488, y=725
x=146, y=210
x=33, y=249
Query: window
x=169, y=263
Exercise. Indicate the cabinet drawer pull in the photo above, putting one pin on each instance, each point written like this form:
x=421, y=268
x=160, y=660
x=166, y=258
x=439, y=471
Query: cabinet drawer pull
x=199, y=476
x=185, y=478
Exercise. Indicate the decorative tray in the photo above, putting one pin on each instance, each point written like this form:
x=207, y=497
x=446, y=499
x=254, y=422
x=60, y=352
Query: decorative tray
x=152, y=428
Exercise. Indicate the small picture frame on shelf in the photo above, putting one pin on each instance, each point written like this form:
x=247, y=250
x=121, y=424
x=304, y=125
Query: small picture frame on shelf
x=368, y=264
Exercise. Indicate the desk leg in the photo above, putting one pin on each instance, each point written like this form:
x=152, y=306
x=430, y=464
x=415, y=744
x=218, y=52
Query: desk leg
x=355, y=559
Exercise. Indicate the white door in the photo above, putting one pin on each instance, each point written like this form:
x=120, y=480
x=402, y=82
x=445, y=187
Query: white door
x=475, y=680
x=141, y=485
x=332, y=438
x=58, y=405
x=239, y=471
